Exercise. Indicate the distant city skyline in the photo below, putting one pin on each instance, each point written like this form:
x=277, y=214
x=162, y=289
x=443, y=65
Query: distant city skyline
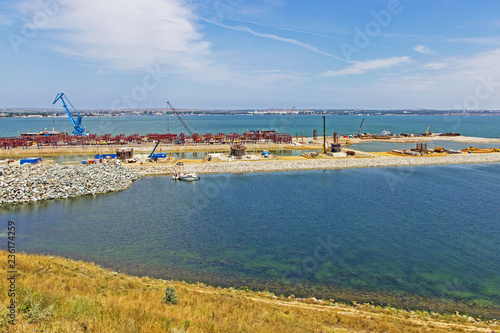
x=240, y=54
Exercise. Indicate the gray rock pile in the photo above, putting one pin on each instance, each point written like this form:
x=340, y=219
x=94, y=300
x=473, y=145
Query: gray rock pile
x=313, y=164
x=31, y=183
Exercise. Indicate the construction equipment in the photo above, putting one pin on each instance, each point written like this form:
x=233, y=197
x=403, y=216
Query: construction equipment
x=195, y=136
x=427, y=131
x=359, y=130
x=77, y=124
x=153, y=156
x=324, y=135
x=180, y=118
x=421, y=148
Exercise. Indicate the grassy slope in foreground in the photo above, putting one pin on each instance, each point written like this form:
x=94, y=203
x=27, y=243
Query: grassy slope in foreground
x=60, y=295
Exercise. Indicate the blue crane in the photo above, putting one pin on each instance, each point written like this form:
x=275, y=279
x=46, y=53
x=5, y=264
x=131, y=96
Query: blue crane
x=153, y=156
x=77, y=124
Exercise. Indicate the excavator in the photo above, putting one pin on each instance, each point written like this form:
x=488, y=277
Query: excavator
x=427, y=132
x=154, y=157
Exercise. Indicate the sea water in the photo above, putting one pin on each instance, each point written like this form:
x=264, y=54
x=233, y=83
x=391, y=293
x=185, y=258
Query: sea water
x=422, y=237
x=479, y=126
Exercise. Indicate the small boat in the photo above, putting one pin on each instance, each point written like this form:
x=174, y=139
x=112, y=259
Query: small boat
x=181, y=175
x=189, y=177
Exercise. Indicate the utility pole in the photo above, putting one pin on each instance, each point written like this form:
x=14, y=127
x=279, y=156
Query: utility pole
x=324, y=136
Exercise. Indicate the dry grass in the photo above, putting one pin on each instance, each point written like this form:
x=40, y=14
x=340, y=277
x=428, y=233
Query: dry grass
x=60, y=295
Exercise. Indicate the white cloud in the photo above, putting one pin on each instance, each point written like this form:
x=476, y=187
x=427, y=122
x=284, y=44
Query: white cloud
x=476, y=40
x=275, y=37
x=451, y=85
x=361, y=67
x=124, y=34
x=436, y=65
x=291, y=30
x=423, y=49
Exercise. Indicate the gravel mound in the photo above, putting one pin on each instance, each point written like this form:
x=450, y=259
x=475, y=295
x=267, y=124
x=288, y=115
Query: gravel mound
x=31, y=183
x=312, y=164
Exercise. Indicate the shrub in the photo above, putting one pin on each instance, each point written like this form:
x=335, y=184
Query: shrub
x=170, y=295
x=34, y=307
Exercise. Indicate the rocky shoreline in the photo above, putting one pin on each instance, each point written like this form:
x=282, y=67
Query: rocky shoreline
x=318, y=164
x=31, y=183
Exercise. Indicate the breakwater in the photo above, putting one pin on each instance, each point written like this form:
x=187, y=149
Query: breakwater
x=31, y=183
x=315, y=164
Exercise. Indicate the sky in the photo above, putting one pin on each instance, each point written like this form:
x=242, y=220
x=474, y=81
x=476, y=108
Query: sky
x=242, y=54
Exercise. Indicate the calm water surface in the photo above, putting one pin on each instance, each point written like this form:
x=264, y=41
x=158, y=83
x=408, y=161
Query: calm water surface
x=416, y=237
x=480, y=126
x=387, y=146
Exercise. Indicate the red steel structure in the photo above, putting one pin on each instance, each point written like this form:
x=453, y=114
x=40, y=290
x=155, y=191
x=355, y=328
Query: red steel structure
x=62, y=139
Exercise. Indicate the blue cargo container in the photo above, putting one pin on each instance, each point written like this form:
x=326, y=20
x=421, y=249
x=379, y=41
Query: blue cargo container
x=31, y=160
x=159, y=155
x=97, y=156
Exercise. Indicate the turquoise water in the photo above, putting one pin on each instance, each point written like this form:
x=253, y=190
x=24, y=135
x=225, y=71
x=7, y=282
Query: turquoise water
x=387, y=146
x=480, y=126
x=178, y=155
x=423, y=237
x=200, y=155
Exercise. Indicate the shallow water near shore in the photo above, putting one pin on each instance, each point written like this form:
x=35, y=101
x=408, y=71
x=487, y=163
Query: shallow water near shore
x=387, y=146
x=418, y=237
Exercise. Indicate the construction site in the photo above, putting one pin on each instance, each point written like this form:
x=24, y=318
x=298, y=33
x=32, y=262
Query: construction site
x=82, y=138
x=250, y=144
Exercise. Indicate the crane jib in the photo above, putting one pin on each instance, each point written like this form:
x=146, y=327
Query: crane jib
x=77, y=124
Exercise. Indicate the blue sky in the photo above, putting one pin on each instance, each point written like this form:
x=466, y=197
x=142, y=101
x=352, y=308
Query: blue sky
x=387, y=54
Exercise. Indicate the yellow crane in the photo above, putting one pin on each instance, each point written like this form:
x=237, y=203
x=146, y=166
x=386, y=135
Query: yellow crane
x=427, y=132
